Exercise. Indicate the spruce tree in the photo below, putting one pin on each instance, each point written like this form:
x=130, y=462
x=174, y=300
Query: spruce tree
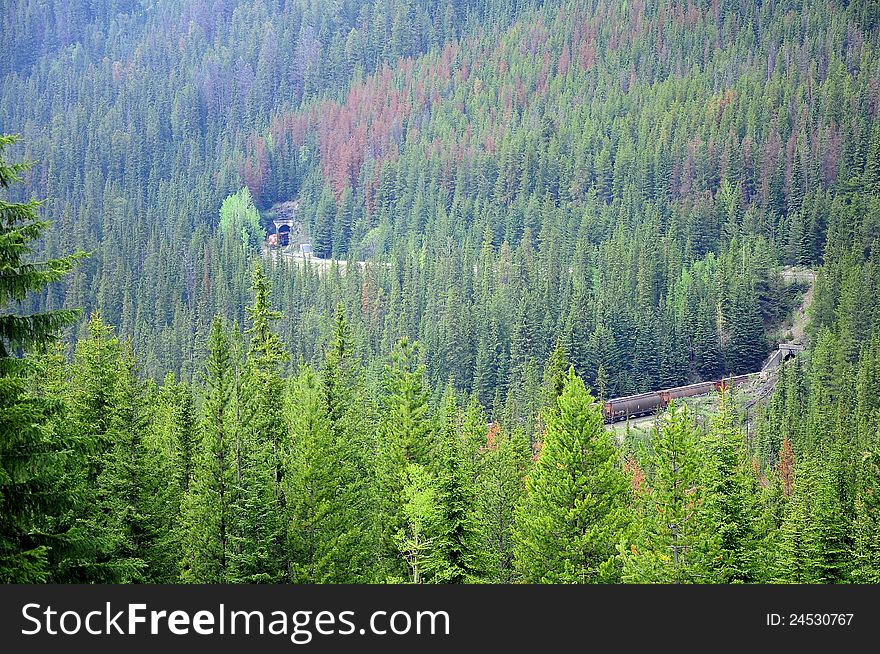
x=575, y=511
x=404, y=438
x=31, y=453
x=261, y=503
x=812, y=535
x=125, y=514
x=501, y=484
x=105, y=400
x=674, y=541
x=731, y=497
x=866, y=525
x=207, y=511
x=325, y=217
x=457, y=556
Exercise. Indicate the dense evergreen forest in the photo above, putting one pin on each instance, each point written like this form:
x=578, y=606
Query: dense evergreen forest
x=520, y=209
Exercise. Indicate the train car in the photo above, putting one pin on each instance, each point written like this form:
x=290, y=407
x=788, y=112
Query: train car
x=691, y=390
x=632, y=406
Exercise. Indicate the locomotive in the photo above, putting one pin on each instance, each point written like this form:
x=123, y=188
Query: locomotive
x=633, y=406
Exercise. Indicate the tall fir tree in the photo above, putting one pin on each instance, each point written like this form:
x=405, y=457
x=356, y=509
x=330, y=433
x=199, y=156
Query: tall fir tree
x=501, y=483
x=456, y=556
x=31, y=453
x=405, y=438
x=261, y=503
x=731, y=497
x=674, y=541
x=575, y=513
x=207, y=512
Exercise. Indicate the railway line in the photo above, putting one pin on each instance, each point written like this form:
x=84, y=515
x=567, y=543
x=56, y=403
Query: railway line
x=643, y=404
x=646, y=404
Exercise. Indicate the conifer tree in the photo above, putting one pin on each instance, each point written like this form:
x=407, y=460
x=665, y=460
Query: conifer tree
x=799, y=554
x=456, y=555
x=125, y=514
x=575, y=511
x=325, y=217
x=674, y=541
x=261, y=504
x=326, y=539
x=30, y=451
x=352, y=423
x=95, y=375
x=501, y=484
x=171, y=448
x=730, y=500
x=866, y=548
x=555, y=376
x=746, y=347
x=405, y=436
x=207, y=511
x=811, y=542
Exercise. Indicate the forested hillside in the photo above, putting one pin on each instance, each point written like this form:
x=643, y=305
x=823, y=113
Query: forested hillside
x=531, y=206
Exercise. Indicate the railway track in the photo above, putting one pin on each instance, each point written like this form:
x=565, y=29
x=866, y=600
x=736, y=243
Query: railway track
x=643, y=404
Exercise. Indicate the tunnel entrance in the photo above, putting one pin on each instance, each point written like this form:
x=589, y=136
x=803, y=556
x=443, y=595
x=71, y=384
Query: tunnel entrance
x=284, y=235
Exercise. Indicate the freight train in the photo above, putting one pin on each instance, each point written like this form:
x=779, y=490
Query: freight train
x=633, y=406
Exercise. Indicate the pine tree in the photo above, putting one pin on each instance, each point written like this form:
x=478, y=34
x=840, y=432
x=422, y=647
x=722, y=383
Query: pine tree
x=811, y=542
x=325, y=539
x=353, y=423
x=89, y=398
x=731, y=497
x=555, y=376
x=124, y=515
x=674, y=542
x=747, y=346
x=706, y=355
x=405, y=436
x=575, y=511
x=456, y=554
x=171, y=449
x=207, y=510
x=325, y=217
x=865, y=548
x=343, y=223
x=337, y=376
x=31, y=453
x=501, y=483
x=261, y=503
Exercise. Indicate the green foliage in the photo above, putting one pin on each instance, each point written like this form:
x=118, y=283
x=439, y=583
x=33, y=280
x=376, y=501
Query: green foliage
x=405, y=439
x=207, y=507
x=575, y=511
x=326, y=537
x=240, y=220
x=676, y=541
x=261, y=504
x=457, y=550
x=731, y=499
x=866, y=549
x=420, y=516
x=811, y=546
x=501, y=489
x=32, y=453
x=629, y=221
